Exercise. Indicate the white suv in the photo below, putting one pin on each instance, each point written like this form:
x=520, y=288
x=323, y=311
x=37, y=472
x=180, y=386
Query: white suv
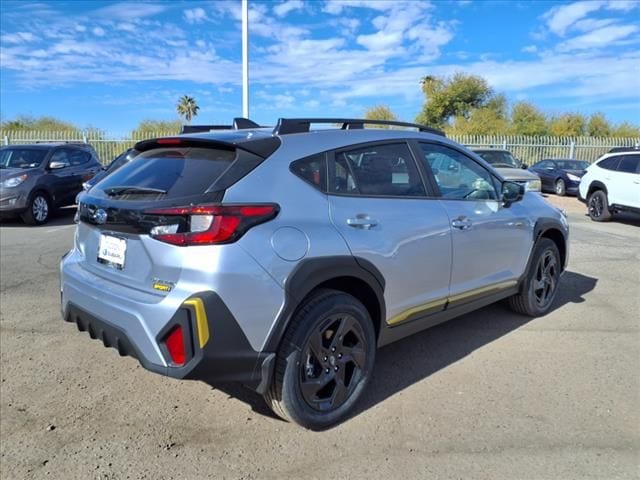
x=612, y=184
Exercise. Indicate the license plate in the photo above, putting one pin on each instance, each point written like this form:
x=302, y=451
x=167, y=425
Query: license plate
x=112, y=251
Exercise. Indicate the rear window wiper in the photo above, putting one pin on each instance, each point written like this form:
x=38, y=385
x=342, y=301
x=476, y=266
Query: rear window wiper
x=121, y=189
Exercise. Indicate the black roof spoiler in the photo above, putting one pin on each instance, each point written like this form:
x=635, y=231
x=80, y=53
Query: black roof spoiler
x=287, y=126
x=239, y=123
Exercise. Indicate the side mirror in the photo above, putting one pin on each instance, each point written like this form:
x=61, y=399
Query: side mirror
x=511, y=192
x=524, y=166
x=57, y=165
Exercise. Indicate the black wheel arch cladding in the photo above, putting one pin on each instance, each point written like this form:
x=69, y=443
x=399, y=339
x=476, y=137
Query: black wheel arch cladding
x=313, y=273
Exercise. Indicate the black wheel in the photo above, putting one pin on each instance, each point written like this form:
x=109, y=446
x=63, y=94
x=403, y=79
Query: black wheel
x=598, y=205
x=561, y=188
x=38, y=211
x=541, y=283
x=324, y=362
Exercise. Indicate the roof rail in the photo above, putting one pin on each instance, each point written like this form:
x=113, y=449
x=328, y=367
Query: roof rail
x=287, y=126
x=62, y=142
x=624, y=149
x=239, y=123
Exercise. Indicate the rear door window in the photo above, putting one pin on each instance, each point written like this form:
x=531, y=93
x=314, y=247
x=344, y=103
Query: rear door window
x=377, y=170
x=168, y=173
x=629, y=164
x=77, y=157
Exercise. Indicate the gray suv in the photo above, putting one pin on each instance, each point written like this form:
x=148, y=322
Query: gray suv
x=281, y=258
x=36, y=178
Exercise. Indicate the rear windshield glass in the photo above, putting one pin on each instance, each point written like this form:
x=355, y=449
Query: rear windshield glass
x=21, y=157
x=167, y=173
x=499, y=159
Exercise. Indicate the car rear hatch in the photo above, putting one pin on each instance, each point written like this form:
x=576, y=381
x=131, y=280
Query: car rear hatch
x=133, y=223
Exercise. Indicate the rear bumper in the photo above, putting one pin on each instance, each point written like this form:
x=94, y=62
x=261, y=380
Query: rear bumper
x=226, y=356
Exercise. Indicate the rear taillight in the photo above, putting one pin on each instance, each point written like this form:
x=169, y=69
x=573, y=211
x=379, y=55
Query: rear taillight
x=175, y=346
x=209, y=224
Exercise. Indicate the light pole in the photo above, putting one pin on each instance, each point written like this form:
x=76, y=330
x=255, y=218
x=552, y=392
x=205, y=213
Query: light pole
x=245, y=59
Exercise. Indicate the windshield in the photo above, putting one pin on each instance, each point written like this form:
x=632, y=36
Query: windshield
x=499, y=159
x=572, y=164
x=21, y=157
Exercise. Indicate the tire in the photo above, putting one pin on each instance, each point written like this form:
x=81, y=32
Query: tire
x=560, y=188
x=39, y=210
x=541, y=282
x=598, y=206
x=324, y=362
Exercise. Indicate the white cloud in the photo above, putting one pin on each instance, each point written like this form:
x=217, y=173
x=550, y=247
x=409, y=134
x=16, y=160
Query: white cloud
x=284, y=8
x=195, y=15
x=126, y=27
x=623, y=5
x=98, y=31
x=561, y=17
x=201, y=43
x=129, y=10
x=18, y=37
x=589, y=24
x=530, y=49
x=80, y=28
x=601, y=37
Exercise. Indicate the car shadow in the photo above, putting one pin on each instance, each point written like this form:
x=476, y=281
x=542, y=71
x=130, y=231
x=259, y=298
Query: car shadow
x=411, y=360
x=59, y=217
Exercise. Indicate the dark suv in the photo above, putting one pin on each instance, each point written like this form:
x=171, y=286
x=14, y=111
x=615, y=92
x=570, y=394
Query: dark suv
x=36, y=178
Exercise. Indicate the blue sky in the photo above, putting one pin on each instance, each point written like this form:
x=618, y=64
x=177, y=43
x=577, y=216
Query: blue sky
x=112, y=64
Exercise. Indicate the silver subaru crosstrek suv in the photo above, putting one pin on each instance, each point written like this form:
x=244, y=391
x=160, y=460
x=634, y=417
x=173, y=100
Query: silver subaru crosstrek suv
x=281, y=258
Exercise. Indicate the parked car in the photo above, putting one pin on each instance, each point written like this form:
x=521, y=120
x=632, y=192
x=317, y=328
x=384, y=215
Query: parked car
x=510, y=168
x=115, y=164
x=560, y=176
x=281, y=258
x=612, y=184
x=36, y=178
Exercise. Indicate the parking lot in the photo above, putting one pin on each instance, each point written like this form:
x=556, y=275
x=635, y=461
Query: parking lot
x=489, y=395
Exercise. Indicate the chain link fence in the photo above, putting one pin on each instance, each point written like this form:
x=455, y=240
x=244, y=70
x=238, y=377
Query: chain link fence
x=527, y=149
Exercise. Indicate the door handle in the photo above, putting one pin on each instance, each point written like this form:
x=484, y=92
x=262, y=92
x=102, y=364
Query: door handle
x=461, y=223
x=362, y=221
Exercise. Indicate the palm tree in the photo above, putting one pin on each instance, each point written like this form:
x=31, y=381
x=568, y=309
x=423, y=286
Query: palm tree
x=187, y=108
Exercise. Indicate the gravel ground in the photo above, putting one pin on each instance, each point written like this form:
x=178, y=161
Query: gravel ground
x=491, y=395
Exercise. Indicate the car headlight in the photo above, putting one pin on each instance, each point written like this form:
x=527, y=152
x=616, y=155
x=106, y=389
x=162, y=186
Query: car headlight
x=85, y=186
x=14, y=181
x=533, y=186
x=573, y=178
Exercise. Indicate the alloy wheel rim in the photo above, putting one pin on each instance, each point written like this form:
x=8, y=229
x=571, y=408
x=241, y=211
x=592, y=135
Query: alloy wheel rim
x=332, y=363
x=40, y=209
x=545, y=280
x=559, y=187
x=595, y=206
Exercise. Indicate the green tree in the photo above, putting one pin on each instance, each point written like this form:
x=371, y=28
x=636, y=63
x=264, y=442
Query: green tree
x=482, y=121
x=568, y=125
x=187, y=108
x=625, y=129
x=449, y=97
x=527, y=119
x=380, y=112
x=48, y=123
x=598, y=125
x=150, y=127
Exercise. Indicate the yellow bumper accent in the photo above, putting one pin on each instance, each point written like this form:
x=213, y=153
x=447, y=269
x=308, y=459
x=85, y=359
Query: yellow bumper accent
x=402, y=316
x=201, y=320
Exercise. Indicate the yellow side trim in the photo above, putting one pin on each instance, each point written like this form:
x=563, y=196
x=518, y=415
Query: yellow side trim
x=201, y=320
x=481, y=290
x=401, y=317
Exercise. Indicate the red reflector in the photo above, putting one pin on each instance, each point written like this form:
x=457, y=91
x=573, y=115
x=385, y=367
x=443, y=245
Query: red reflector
x=169, y=141
x=175, y=345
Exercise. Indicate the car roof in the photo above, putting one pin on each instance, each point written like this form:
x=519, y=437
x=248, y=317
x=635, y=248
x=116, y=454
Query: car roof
x=483, y=150
x=47, y=145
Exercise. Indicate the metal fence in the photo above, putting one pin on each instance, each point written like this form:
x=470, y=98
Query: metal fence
x=527, y=149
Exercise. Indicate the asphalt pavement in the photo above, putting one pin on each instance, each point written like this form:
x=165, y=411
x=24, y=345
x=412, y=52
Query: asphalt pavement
x=490, y=395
